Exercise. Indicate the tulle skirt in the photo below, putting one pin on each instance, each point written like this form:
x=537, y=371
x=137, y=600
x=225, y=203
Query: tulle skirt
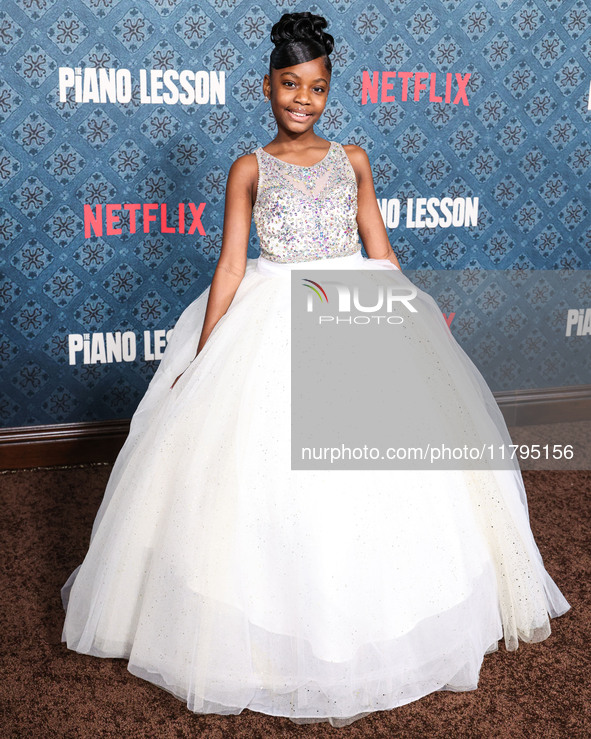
x=232, y=581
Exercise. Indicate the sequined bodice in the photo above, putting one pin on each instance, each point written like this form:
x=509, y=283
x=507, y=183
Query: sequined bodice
x=306, y=213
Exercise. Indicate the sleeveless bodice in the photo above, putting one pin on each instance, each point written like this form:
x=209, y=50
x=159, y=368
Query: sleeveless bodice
x=306, y=213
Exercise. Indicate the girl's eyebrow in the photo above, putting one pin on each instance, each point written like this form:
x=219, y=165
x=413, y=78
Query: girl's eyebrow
x=318, y=79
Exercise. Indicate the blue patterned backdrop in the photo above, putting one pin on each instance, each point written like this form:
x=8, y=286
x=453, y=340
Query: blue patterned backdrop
x=522, y=146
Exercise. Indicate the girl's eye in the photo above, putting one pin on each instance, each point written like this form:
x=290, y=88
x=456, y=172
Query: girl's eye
x=317, y=89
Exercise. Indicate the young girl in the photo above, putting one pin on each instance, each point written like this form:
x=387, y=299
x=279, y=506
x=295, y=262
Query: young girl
x=232, y=581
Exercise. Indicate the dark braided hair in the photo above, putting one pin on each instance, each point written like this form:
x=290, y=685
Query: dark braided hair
x=298, y=37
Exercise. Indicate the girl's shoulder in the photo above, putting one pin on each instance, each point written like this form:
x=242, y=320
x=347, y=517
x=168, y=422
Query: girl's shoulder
x=244, y=167
x=354, y=152
x=359, y=160
x=245, y=160
x=243, y=176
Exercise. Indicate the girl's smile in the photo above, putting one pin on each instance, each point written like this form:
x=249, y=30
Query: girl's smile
x=298, y=115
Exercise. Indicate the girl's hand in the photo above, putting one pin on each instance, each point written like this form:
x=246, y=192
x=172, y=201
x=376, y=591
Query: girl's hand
x=183, y=372
x=177, y=379
x=394, y=259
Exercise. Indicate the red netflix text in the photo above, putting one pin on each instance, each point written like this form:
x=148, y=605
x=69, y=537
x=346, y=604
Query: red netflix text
x=387, y=87
x=103, y=218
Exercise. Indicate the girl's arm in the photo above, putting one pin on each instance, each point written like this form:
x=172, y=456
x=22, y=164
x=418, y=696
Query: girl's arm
x=369, y=219
x=231, y=264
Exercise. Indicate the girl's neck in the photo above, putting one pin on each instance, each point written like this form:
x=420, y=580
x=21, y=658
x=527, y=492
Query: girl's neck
x=297, y=142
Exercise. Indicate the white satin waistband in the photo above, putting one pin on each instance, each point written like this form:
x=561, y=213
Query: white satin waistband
x=266, y=266
x=351, y=261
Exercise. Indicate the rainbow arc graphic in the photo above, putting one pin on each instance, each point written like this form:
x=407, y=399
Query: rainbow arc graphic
x=317, y=288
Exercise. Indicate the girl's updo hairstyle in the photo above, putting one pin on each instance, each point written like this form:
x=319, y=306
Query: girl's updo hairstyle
x=298, y=38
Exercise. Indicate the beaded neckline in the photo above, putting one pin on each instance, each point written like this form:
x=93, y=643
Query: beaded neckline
x=300, y=166
x=303, y=214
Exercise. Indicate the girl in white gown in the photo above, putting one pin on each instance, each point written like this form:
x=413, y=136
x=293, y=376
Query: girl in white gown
x=232, y=581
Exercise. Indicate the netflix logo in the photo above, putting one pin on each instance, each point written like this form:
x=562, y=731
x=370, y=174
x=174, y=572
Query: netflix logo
x=388, y=87
x=104, y=219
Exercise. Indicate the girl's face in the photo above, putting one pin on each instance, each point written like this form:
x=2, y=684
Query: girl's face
x=298, y=94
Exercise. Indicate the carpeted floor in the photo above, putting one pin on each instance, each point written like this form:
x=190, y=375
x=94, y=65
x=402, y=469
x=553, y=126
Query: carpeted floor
x=46, y=690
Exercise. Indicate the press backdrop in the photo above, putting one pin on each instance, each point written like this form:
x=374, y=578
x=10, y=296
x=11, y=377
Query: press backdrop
x=521, y=146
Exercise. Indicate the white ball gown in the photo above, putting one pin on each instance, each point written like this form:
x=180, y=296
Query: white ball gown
x=233, y=582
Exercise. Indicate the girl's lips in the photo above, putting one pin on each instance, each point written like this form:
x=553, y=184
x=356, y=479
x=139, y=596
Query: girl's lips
x=296, y=117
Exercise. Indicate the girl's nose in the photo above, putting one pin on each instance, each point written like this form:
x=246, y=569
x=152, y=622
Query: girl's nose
x=301, y=97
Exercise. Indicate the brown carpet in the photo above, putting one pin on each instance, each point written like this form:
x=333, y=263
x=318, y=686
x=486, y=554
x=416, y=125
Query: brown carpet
x=46, y=690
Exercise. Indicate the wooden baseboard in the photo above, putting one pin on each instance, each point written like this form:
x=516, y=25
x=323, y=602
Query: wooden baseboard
x=64, y=443
x=100, y=441
x=545, y=405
